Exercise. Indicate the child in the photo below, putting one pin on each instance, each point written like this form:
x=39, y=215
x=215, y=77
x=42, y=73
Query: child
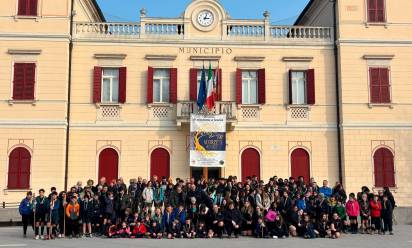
x=261, y=230
x=26, y=211
x=387, y=213
x=155, y=231
x=189, y=230
x=41, y=206
x=86, y=213
x=97, y=215
x=341, y=211
x=364, y=213
x=217, y=225
x=352, y=210
x=112, y=232
x=376, y=208
x=280, y=229
x=175, y=230
x=307, y=228
x=124, y=231
x=139, y=230
x=201, y=232
x=322, y=227
x=54, y=216
x=73, y=213
x=335, y=226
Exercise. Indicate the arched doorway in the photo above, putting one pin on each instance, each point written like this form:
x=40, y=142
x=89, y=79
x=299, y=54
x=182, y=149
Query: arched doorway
x=250, y=163
x=300, y=164
x=160, y=163
x=384, y=168
x=109, y=164
x=19, y=169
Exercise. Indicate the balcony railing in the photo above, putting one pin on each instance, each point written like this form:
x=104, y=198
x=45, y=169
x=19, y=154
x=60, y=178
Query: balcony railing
x=185, y=109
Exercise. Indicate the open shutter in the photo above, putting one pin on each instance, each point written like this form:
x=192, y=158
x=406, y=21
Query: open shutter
x=149, y=85
x=193, y=84
x=380, y=11
x=122, y=84
x=33, y=7
x=97, y=84
x=384, y=85
x=173, y=85
x=22, y=7
x=310, y=81
x=374, y=85
x=219, y=86
x=18, y=81
x=290, y=87
x=29, y=81
x=239, y=86
x=372, y=11
x=261, y=86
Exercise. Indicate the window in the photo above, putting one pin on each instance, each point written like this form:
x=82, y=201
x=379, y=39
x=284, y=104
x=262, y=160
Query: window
x=161, y=84
x=23, y=81
x=19, y=169
x=110, y=85
x=27, y=8
x=298, y=87
x=249, y=87
x=379, y=85
x=383, y=160
x=376, y=11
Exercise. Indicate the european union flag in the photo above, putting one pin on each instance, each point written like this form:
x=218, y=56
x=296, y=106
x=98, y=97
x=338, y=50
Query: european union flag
x=201, y=98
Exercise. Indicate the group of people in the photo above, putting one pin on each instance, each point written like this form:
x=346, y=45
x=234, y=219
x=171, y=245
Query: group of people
x=163, y=208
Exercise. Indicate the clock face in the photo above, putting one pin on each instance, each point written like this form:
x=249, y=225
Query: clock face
x=205, y=18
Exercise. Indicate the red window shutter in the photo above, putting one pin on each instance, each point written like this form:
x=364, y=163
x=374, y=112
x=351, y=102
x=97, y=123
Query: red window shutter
x=261, y=86
x=18, y=81
x=193, y=84
x=372, y=10
x=173, y=85
x=378, y=168
x=380, y=11
x=219, y=86
x=22, y=7
x=290, y=87
x=97, y=84
x=374, y=85
x=32, y=8
x=310, y=86
x=385, y=96
x=122, y=84
x=19, y=169
x=150, y=72
x=30, y=79
x=388, y=168
x=239, y=86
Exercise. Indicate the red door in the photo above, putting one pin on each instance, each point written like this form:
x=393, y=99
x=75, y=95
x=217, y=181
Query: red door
x=108, y=164
x=300, y=164
x=160, y=163
x=250, y=162
x=19, y=169
x=384, y=168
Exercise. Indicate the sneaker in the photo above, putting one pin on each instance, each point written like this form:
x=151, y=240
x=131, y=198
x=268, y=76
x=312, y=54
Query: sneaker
x=275, y=237
x=90, y=235
x=390, y=233
x=41, y=237
x=36, y=237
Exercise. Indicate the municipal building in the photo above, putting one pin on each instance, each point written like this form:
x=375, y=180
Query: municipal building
x=329, y=97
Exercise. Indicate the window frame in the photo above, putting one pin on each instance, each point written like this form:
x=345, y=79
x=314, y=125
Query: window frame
x=389, y=85
x=161, y=79
x=305, y=91
x=249, y=86
x=369, y=22
x=111, y=86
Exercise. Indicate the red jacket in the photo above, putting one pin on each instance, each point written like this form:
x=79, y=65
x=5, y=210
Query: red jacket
x=376, y=208
x=139, y=230
x=352, y=208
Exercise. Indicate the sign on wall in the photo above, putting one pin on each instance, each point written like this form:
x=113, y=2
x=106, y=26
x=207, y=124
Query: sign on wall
x=208, y=140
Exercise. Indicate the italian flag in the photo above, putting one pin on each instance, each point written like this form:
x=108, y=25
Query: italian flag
x=210, y=95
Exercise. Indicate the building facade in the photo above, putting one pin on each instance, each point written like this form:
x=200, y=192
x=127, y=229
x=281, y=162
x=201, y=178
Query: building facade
x=326, y=98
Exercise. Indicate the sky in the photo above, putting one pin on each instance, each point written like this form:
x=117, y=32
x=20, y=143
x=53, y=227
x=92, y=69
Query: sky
x=283, y=12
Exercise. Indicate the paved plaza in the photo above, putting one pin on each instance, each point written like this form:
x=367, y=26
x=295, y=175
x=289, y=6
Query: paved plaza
x=12, y=237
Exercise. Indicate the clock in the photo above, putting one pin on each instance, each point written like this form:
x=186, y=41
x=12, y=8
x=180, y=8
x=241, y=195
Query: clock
x=205, y=18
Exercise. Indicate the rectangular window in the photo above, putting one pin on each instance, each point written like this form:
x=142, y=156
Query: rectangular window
x=298, y=87
x=110, y=85
x=23, y=81
x=379, y=82
x=376, y=10
x=161, y=86
x=249, y=87
x=27, y=8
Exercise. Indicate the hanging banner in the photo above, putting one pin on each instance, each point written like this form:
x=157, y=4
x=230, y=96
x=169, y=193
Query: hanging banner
x=207, y=140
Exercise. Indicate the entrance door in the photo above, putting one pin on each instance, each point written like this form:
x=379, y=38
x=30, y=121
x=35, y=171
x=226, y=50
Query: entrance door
x=207, y=173
x=300, y=163
x=108, y=164
x=160, y=163
x=250, y=163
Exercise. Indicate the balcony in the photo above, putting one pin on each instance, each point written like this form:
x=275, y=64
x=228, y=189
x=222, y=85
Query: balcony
x=185, y=109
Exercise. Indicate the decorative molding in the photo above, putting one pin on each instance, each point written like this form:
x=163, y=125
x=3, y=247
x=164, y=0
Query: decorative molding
x=24, y=52
x=120, y=56
x=297, y=59
x=160, y=57
x=249, y=58
x=209, y=58
x=380, y=57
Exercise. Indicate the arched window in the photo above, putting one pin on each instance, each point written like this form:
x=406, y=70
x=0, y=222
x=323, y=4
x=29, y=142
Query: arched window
x=384, y=168
x=160, y=163
x=109, y=164
x=19, y=169
x=250, y=163
x=300, y=164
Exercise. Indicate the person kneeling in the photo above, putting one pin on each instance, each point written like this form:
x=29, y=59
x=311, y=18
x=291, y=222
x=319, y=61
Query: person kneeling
x=335, y=226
